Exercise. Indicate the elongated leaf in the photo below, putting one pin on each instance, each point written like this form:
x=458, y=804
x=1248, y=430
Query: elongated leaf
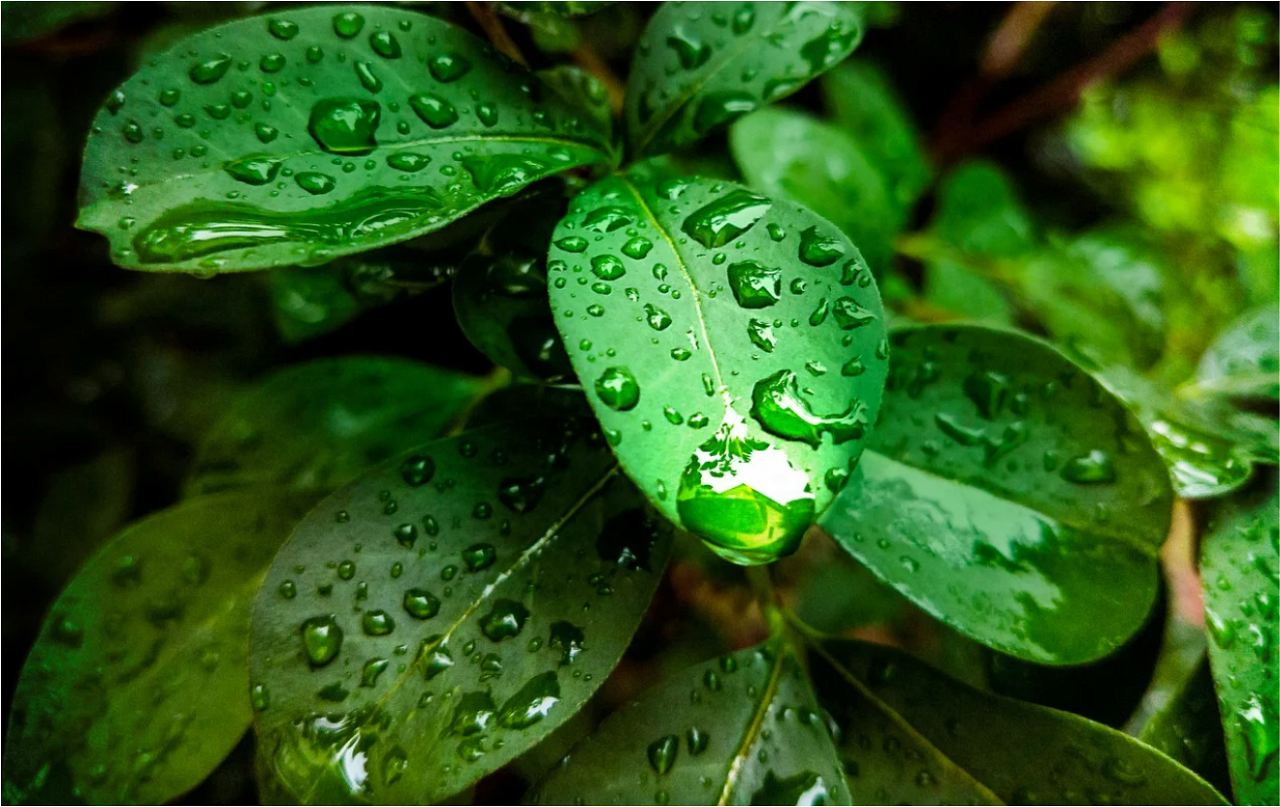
x=317, y=425
x=1008, y=494
x=731, y=345
x=1189, y=729
x=701, y=65
x=500, y=296
x=1244, y=360
x=1238, y=563
x=316, y=133
x=787, y=153
x=911, y=735
x=138, y=685
x=743, y=729
x=442, y=614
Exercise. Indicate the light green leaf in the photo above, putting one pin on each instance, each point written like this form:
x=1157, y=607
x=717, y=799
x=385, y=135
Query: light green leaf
x=1188, y=729
x=1007, y=493
x=782, y=152
x=1239, y=559
x=320, y=132
x=731, y=345
x=699, y=66
x=743, y=729
x=1244, y=360
x=912, y=735
x=137, y=687
x=317, y=425
x=439, y=616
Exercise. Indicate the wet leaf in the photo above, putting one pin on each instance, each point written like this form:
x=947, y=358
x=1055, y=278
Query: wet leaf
x=1188, y=729
x=296, y=138
x=317, y=425
x=1244, y=360
x=582, y=91
x=700, y=66
x=1239, y=559
x=138, y=685
x=783, y=152
x=500, y=295
x=1010, y=495
x=743, y=729
x=731, y=345
x=911, y=735
x=568, y=8
x=445, y=612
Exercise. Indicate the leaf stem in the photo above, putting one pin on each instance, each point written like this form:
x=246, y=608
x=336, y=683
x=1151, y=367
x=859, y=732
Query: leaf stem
x=491, y=23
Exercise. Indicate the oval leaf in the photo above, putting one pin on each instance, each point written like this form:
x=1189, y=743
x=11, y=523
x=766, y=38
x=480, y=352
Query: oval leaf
x=1244, y=360
x=318, y=425
x=319, y=132
x=436, y=618
x=750, y=733
x=1238, y=563
x=731, y=345
x=912, y=735
x=699, y=66
x=137, y=687
x=1010, y=495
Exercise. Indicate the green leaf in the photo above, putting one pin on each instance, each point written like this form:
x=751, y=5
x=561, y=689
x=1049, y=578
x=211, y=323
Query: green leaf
x=783, y=152
x=582, y=91
x=569, y=8
x=431, y=621
x=699, y=66
x=912, y=735
x=865, y=105
x=523, y=401
x=138, y=684
x=1244, y=360
x=318, y=425
x=500, y=295
x=1007, y=493
x=1238, y=564
x=743, y=729
x=731, y=345
x=27, y=21
x=1189, y=729
x=317, y=133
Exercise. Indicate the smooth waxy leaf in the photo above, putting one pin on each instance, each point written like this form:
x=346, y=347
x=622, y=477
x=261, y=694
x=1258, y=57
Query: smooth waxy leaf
x=583, y=91
x=743, y=729
x=911, y=735
x=731, y=345
x=782, y=152
x=1189, y=728
x=500, y=296
x=138, y=685
x=296, y=138
x=318, y=425
x=442, y=614
x=1007, y=493
x=1244, y=361
x=1238, y=563
x=699, y=66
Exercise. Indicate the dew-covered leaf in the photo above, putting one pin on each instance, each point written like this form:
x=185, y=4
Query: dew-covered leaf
x=1239, y=559
x=583, y=91
x=1188, y=728
x=783, y=152
x=560, y=8
x=700, y=66
x=731, y=345
x=317, y=425
x=138, y=685
x=298, y=137
x=742, y=729
x=1009, y=494
x=1244, y=360
x=500, y=295
x=912, y=735
x=445, y=612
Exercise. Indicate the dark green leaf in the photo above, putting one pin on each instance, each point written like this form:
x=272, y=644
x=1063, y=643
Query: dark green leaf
x=317, y=425
x=1010, y=495
x=1244, y=360
x=567, y=8
x=782, y=152
x=138, y=685
x=701, y=65
x=439, y=616
x=500, y=295
x=1238, y=563
x=316, y=133
x=24, y=21
x=522, y=401
x=744, y=729
x=1189, y=729
x=582, y=91
x=731, y=345
x=911, y=735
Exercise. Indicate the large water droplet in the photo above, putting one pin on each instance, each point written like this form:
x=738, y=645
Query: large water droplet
x=779, y=406
x=1093, y=468
x=435, y=111
x=817, y=249
x=505, y=619
x=531, y=703
x=755, y=285
x=385, y=44
x=321, y=639
x=421, y=604
x=345, y=125
x=662, y=753
x=618, y=389
x=348, y=24
x=448, y=67
x=254, y=170
x=719, y=222
x=211, y=70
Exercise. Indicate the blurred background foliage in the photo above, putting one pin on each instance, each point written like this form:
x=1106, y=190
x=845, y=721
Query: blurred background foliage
x=1103, y=174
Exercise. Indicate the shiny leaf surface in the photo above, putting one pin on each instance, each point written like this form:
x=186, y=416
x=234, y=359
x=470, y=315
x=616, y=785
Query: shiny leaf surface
x=1244, y=360
x=1000, y=485
x=295, y=138
x=731, y=345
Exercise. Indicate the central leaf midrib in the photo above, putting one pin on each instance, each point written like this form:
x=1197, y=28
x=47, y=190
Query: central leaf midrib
x=754, y=727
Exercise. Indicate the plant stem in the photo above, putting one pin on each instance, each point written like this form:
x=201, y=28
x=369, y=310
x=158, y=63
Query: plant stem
x=493, y=28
